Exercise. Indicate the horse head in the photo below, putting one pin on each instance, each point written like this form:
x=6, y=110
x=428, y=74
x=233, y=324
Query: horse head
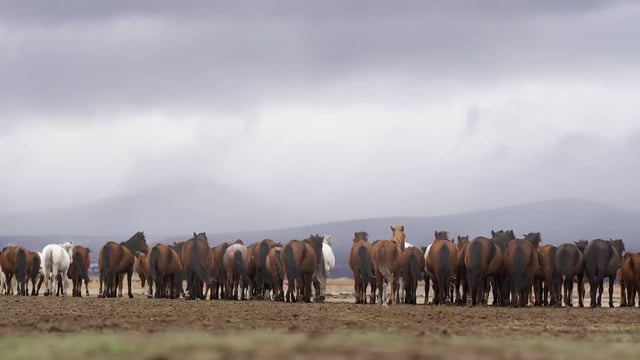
x=327, y=239
x=441, y=235
x=618, y=245
x=397, y=235
x=360, y=236
x=533, y=237
x=68, y=248
x=581, y=244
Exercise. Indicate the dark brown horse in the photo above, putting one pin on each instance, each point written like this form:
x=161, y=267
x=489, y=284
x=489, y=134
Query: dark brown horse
x=483, y=259
x=195, y=257
x=461, y=270
x=570, y=264
x=521, y=263
x=441, y=263
x=412, y=269
x=79, y=270
x=300, y=262
x=387, y=263
x=602, y=259
x=8, y=265
x=273, y=266
x=165, y=270
x=547, y=278
x=361, y=264
x=117, y=259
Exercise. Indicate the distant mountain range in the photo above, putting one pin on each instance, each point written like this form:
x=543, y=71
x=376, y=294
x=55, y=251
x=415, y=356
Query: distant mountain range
x=559, y=221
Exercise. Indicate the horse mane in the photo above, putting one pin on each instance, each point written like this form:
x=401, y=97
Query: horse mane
x=327, y=239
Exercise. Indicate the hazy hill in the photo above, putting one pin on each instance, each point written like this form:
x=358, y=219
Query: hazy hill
x=558, y=220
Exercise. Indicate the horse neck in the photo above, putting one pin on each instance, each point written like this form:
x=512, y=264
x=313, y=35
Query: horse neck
x=129, y=244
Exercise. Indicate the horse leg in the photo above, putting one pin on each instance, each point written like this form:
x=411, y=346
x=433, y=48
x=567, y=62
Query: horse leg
x=600, y=290
x=612, y=280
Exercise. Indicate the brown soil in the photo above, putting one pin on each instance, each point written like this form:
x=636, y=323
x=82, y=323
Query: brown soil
x=27, y=315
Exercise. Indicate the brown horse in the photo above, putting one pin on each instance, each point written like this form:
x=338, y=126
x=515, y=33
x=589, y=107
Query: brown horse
x=483, y=260
x=521, y=263
x=629, y=274
x=165, y=270
x=441, y=263
x=252, y=269
x=602, y=259
x=300, y=259
x=387, y=263
x=79, y=270
x=275, y=270
x=412, y=268
x=547, y=278
x=570, y=265
x=142, y=269
x=263, y=277
x=117, y=259
x=195, y=257
x=236, y=261
x=8, y=265
x=461, y=270
x=361, y=264
x=218, y=271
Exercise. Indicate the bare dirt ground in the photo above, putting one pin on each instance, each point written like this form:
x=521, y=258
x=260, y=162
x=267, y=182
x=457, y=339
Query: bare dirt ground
x=440, y=327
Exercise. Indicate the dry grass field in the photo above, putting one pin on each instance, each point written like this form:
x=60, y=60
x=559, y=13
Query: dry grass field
x=140, y=328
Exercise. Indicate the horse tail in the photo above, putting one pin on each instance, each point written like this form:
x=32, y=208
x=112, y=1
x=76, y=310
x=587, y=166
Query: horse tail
x=198, y=265
x=414, y=269
x=364, y=265
x=105, y=270
x=242, y=269
x=21, y=268
x=290, y=264
x=443, y=269
x=78, y=263
x=153, y=261
x=518, y=269
x=263, y=276
x=382, y=267
x=35, y=266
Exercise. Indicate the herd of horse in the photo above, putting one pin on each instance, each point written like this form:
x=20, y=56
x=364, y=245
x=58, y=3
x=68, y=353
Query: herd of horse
x=512, y=271
x=226, y=271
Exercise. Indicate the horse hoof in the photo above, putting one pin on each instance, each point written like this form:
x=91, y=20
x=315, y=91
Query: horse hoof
x=130, y=296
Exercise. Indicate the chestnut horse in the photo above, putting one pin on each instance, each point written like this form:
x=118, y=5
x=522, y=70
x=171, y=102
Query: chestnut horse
x=300, y=260
x=461, y=270
x=195, y=260
x=165, y=271
x=412, y=268
x=275, y=270
x=602, y=259
x=521, y=263
x=441, y=263
x=387, y=263
x=547, y=278
x=117, y=259
x=8, y=265
x=629, y=274
x=79, y=270
x=361, y=264
x=142, y=269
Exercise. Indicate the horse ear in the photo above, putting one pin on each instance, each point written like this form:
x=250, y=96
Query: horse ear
x=493, y=233
x=391, y=228
x=194, y=234
x=435, y=233
x=401, y=227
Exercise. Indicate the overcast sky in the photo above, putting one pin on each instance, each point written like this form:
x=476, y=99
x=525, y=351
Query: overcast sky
x=355, y=109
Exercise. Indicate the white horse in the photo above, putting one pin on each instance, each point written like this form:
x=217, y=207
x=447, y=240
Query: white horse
x=3, y=282
x=56, y=259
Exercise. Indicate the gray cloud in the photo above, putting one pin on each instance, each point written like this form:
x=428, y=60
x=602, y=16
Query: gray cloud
x=111, y=57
